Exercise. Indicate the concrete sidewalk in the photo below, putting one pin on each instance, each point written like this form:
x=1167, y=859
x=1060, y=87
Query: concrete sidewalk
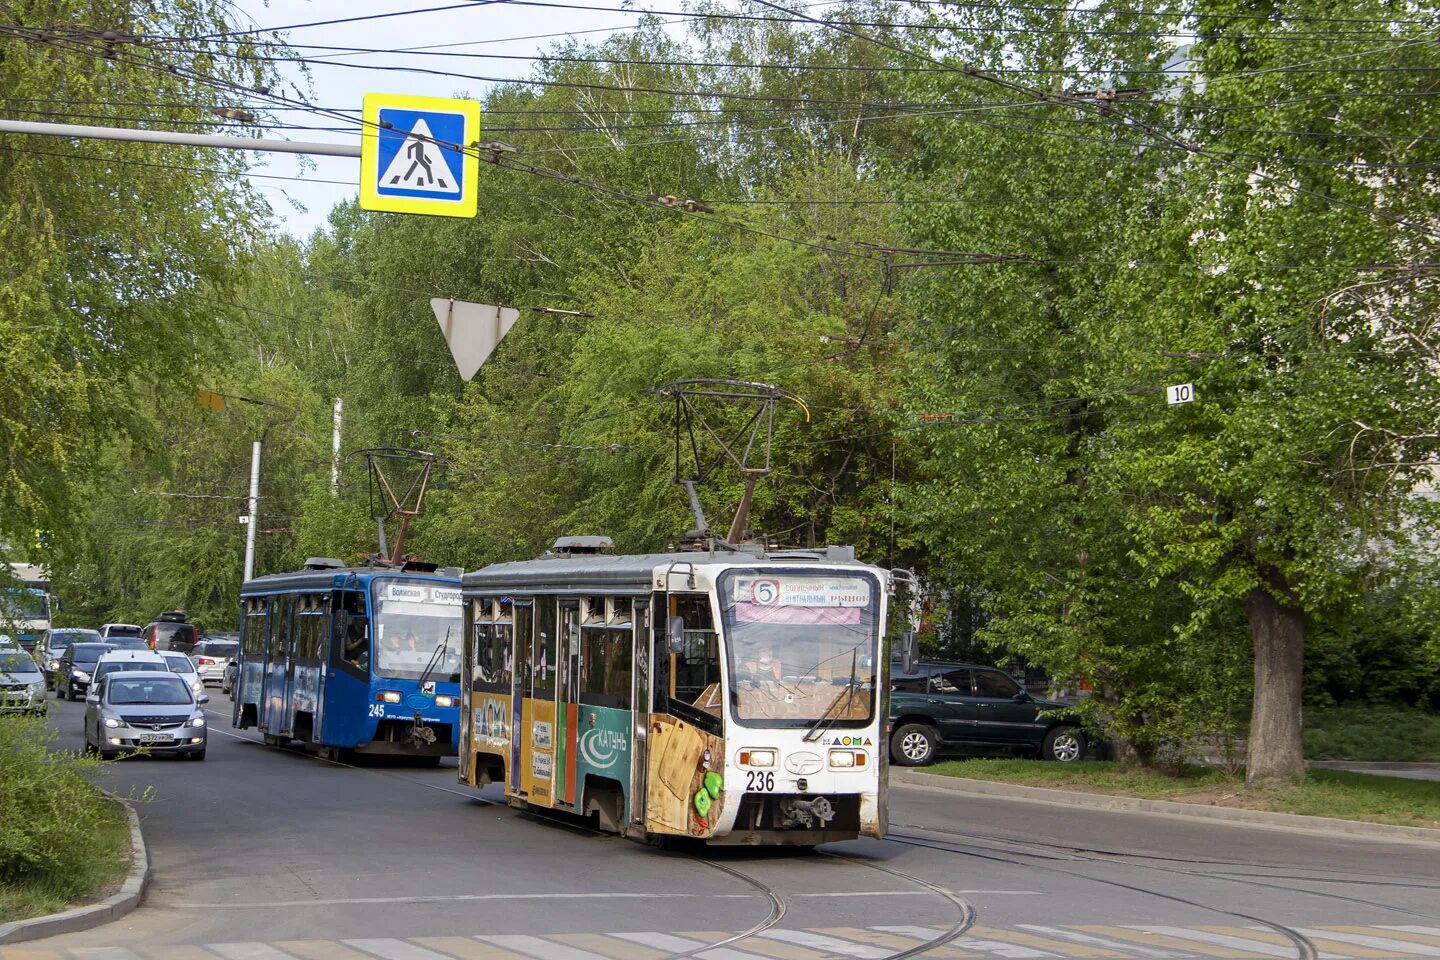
x=1409, y=771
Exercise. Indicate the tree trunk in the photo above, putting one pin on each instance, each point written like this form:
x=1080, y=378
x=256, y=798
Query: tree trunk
x=1278, y=632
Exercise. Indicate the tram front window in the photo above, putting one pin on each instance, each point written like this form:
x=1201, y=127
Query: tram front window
x=417, y=629
x=801, y=647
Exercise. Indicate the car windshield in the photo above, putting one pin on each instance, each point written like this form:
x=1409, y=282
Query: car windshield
x=413, y=620
x=24, y=605
x=128, y=643
x=179, y=663
x=89, y=654
x=165, y=691
x=60, y=639
x=801, y=646
x=17, y=663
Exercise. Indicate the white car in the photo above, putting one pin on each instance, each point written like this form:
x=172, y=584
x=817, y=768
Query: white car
x=117, y=661
x=130, y=630
x=182, y=665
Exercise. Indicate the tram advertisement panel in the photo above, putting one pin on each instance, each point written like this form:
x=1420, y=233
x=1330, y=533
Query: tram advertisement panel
x=602, y=748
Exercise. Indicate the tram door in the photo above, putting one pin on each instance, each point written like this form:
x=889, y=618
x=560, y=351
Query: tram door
x=640, y=701
x=276, y=693
x=524, y=614
x=567, y=704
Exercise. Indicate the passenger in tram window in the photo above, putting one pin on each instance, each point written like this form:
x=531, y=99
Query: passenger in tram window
x=762, y=664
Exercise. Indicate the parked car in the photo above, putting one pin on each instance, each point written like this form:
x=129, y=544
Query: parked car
x=72, y=676
x=182, y=666
x=117, y=661
x=7, y=642
x=170, y=631
x=52, y=647
x=22, y=684
x=227, y=678
x=145, y=708
x=959, y=707
x=212, y=655
x=111, y=631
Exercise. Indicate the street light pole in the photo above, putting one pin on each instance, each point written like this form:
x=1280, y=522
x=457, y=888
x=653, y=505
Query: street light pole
x=252, y=521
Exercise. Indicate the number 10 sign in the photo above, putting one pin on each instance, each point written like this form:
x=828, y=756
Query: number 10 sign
x=1180, y=393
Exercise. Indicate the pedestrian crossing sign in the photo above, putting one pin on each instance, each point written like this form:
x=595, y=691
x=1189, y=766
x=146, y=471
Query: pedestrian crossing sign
x=413, y=157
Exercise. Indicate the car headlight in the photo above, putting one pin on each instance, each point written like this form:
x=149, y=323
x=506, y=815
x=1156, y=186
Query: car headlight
x=111, y=722
x=38, y=687
x=54, y=665
x=79, y=674
x=196, y=686
x=197, y=721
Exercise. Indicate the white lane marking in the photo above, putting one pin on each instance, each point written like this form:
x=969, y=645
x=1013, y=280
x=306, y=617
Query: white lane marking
x=665, y=941
x=437, y=898
x=911, y=893
x=1221, y=940
x=997, y=947
x=537, y=947
x=815, y=941
x=1075, y=936
x=1377, y=943
x=248, y=951
x=1423, y=931
x=391, y=949
x=104, y=953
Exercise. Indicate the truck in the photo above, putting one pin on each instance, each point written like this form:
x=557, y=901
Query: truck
x=26, y=604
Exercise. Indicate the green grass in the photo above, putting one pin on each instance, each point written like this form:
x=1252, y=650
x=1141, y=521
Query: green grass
x=1372, y=733
x=1324, y=793
x=103, y=872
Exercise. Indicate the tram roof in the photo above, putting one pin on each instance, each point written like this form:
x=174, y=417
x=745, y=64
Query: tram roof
x=602, y=573
x=329, y=577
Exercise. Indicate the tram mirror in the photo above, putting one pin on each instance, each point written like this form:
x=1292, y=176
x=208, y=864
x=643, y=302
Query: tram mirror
x=910, y=652
x=676, y=633
x=341, y=619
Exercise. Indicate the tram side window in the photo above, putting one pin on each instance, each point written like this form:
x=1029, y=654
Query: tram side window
x=280, y=633
x=542, y=654
x=697, y=663
x=490, y=647
x=309, y=628
x=605, y=678
x=253, y=641
x=350, y=644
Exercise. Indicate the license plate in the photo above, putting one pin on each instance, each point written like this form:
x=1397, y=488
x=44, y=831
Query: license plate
x=155, y=738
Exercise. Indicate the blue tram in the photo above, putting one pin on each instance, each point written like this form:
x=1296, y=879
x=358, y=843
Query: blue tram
x=352, y=659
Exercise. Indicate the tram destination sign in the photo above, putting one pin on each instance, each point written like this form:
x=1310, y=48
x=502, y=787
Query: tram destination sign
x=803, y=591
x=422, y=593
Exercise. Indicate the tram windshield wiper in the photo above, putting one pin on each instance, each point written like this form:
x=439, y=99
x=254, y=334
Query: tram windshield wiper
x=818, y=729
x=435, y=659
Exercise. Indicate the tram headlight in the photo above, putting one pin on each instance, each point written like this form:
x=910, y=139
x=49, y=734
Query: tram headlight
x=847, y=758
x=444, y=701
x=388, y=696
x=757, y=758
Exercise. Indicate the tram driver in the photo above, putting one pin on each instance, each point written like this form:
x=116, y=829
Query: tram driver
x=761, y=665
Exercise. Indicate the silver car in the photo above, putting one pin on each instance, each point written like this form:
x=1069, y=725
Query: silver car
x=145, y=708
x=212, y=656
x=22, y=684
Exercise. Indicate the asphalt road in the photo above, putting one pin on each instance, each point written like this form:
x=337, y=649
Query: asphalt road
x=261, y=854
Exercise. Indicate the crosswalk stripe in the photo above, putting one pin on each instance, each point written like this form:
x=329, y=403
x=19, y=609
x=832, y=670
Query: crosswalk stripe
x=1003, y=935
x=818, y=941
x=180, y=951
x=320, y=950
x=539, y=948
x=1128, y=949
x=468, y=948
x=26, y=953
x=1419, y=934
x=898, y=942
x=1326, y=948
x=230, y=951
x=665, y=941
x=1186, y=947
x=388, y=948
x=1000, y=949
x=609, y=946
x=1365, y=937
x=753, y=945
x=1222, y=940
x=103, y=953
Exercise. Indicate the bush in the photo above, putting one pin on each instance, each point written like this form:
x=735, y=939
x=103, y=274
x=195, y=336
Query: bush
x=1379, y=733
x=52, y=814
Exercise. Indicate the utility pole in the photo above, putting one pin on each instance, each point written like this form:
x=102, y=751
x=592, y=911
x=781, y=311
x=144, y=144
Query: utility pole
x=252, y=521
x=335, y=449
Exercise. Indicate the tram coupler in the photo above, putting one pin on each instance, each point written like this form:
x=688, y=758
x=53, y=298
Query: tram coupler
x=421, y=734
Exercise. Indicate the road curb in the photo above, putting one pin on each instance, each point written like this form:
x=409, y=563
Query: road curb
x=130, y=895
x=1329, y=826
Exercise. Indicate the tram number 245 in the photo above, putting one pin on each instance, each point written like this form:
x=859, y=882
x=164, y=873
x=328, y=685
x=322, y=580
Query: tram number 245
x=759, y=781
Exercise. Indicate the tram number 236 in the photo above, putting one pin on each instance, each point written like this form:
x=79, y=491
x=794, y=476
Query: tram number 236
x=759, y=781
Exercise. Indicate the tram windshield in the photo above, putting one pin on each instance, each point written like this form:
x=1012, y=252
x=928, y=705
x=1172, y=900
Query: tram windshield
x=417, y=630
x=801, y=647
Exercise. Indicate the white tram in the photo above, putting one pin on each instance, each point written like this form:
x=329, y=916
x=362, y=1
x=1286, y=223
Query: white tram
x=728, y=695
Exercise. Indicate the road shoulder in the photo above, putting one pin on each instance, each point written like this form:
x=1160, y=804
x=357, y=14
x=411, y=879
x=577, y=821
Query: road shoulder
x=113, y=907
x=1170, y=808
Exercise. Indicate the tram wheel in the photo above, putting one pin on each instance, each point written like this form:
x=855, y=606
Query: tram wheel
x=271, y=740
x=913, y=745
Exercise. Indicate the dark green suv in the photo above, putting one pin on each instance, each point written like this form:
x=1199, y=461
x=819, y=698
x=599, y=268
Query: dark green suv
x=963, y=707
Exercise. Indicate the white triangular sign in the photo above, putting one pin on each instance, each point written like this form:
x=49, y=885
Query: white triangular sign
x=472, y=330
x=420, y=164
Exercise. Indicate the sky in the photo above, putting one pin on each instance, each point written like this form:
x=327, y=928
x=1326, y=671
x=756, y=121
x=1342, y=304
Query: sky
x=491, y=28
